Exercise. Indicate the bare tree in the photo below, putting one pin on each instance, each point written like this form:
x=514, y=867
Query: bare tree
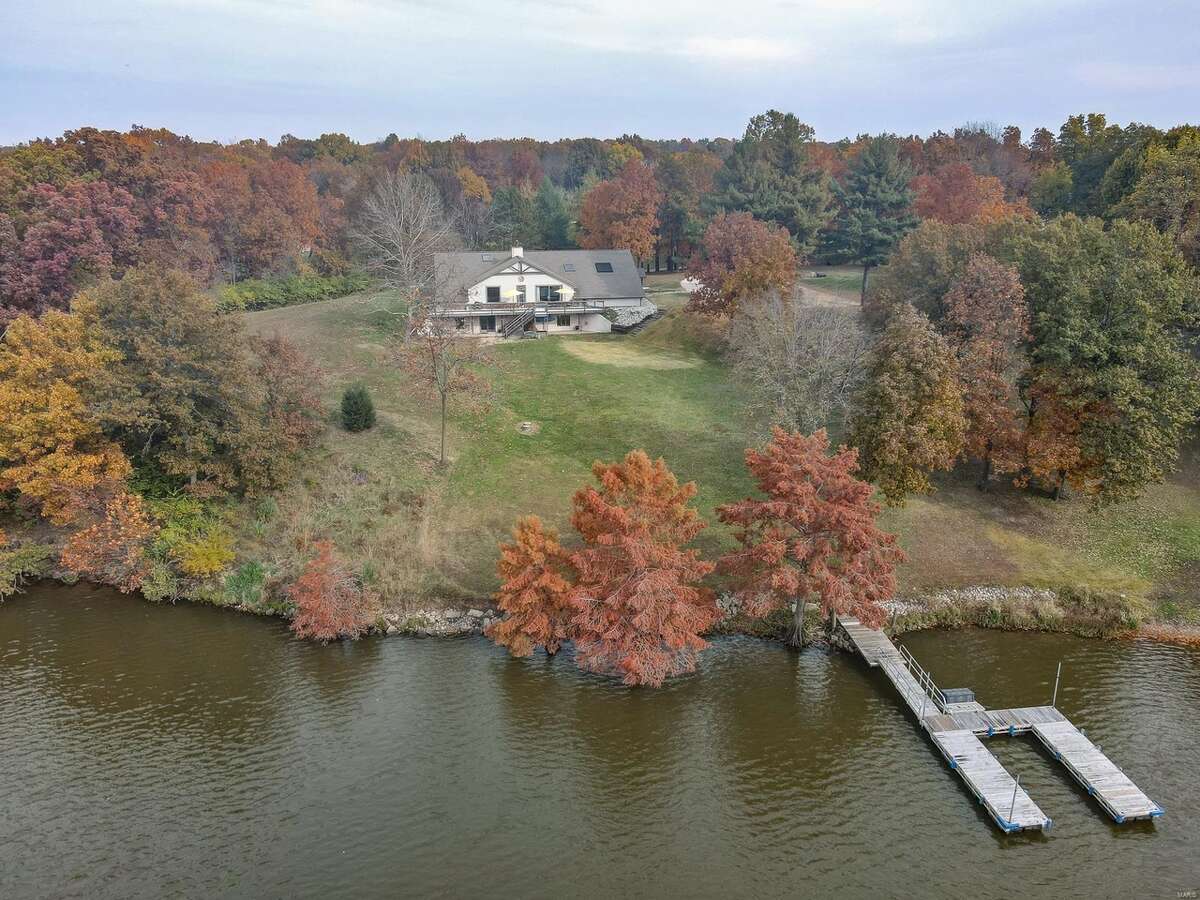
x=801, y=363
x=401, y=225
x=446, y=366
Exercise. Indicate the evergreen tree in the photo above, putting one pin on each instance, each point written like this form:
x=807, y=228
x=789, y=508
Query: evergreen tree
x=514, y=221
x=358, y=412
x=553, y=217
x=877, y=205
x=769, y=175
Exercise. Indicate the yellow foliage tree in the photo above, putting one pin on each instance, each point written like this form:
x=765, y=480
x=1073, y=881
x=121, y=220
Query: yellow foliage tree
x=52, y=448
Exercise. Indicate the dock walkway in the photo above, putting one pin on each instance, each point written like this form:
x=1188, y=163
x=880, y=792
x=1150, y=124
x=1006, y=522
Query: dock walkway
x=955, y=729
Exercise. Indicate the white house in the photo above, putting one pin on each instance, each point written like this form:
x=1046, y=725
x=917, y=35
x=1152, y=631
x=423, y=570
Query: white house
x=490, y=292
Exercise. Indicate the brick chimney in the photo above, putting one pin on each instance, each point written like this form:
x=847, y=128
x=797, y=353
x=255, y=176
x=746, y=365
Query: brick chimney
x=518, y=252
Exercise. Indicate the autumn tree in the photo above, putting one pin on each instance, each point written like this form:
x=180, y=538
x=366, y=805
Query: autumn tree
x=53, y=399
x=1167, y=194
x=639, y=606
x=686, y=179
x=738, y=259
x=811, y=536
x=876, y=205
x=447, y=366
x=909, y=416
x=114, y=549
x=535, y=590
x=956, y=195
x=801, y=364
x=987, y=321
x=622, y=213
x=330, y=602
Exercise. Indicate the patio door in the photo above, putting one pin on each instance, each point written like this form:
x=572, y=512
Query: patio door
x=487, y=323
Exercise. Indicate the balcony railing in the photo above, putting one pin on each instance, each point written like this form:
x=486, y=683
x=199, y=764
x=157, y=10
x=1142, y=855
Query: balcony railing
x=540, y=307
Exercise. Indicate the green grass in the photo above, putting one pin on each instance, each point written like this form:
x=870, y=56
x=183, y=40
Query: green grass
x=418, y=531
x=845, y=281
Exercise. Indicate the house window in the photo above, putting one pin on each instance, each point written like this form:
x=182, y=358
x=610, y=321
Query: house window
x=603, y=267
x=487, y=323
x=493, y=293
x=568, y=267
x=549, y=293
x=521, y=293
x=563, y=321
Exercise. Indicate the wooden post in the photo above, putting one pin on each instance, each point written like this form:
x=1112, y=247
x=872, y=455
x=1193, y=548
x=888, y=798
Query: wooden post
x=1054, y=699
x=1013, y=806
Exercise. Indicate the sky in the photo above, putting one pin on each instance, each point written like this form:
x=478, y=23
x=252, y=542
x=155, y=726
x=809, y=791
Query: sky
x=233, y=69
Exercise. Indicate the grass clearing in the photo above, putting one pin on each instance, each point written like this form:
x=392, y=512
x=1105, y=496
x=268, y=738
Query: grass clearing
x=419, y=532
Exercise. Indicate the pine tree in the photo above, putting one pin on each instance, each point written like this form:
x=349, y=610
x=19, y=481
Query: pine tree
x=358, y=412
x=877, y=205
x=553, y=217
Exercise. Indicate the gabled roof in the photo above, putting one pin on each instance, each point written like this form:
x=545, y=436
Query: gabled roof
x=457, y=272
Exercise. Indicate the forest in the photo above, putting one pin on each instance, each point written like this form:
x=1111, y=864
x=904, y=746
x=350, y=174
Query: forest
x=1026, y=306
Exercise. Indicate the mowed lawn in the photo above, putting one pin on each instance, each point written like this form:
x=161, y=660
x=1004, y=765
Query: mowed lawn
x=421, y=532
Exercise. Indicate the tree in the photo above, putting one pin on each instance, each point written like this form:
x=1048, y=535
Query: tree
x=535, y=589
x=685, y=179
x=770, y=176
x=988, y=327
x=113, y=551
x=622, y=213
x=812, y=535
x=514, y=219
x=738, y=259
x=71, y=238
x=802, y=364
x=639, y=607
x=358, y=412
x=1168, y=195
x=447, y=366
x=399, y=228
x=876, y=205
x=1050, y=193
x=956, y=195
x=909, y=415
x=1109, y=308
x=330, y=602
x=53, y=396
x=553, y=217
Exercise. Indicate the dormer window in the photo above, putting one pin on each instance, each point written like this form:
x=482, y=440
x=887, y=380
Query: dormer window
x=604, y=267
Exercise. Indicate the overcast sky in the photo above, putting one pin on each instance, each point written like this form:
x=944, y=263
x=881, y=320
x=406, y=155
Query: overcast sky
x=230, y=69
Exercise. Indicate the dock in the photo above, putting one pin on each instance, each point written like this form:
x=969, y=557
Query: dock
x=955, y=722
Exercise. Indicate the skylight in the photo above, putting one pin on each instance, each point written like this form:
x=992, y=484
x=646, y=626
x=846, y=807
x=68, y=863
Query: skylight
x=568, y=267
x=603, y=267
x=489, y=257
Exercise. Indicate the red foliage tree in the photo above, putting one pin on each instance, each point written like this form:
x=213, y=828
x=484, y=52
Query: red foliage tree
x=534, y=590
x=622, y=213
x=957, y=196
x=812, y=535
x=330, y=602
x=113, y=550
x=71, y=236
x=639, y=611
x=740, y=258
x=988, y=323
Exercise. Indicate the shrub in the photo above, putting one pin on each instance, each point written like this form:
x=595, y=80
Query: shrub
x=271, y=293
x=159, y=583
x=207, y=553
x=20, y=563
x=330, y=602
x=358, y=412
x=113, y=551
x=192, y=537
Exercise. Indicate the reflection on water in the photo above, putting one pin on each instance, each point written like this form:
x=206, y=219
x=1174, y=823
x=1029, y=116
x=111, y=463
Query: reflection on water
x=150, y=751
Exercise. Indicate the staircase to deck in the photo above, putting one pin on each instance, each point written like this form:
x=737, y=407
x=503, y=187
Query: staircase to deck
x=517, y=323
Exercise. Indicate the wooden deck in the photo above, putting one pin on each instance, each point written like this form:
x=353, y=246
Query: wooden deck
x=955, y=729
x=1120, y=797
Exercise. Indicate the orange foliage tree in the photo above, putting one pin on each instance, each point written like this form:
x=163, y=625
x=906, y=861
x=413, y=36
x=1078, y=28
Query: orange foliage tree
x=740, y=258
x=622, y=213
x=639, y=611
x=52, y=448
x=330, y=602
x=987, y=320
x=813, y=535
x=957, y=196
x=112, y=551
x=535, y=590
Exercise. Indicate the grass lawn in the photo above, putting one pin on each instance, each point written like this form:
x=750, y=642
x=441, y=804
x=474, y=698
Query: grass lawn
x=420, y=532
x=845, y=281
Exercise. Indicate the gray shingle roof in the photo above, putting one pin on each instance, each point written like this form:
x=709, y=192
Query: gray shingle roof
x=456, y=272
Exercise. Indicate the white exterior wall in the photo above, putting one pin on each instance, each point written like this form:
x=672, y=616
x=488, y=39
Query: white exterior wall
x=508, y=283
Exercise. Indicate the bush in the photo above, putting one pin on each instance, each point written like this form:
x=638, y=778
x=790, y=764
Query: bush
x=20, y=563
x=244, y=585
x=207, y=553
x=192, y=537
x=330, y=602
x=271, y=293
x=358, y=412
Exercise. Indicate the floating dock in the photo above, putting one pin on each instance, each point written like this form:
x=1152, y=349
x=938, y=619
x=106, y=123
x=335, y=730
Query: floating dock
x=955, y=724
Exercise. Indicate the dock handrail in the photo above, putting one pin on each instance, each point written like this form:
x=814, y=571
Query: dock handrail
x=924, y=679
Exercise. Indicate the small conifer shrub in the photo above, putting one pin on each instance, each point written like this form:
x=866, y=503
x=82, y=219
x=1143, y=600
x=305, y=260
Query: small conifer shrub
x=358, y=412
